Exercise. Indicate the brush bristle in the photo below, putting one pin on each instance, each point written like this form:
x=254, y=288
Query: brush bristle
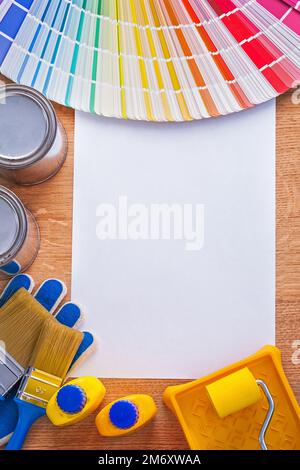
x=21, y=321
x=56, y=348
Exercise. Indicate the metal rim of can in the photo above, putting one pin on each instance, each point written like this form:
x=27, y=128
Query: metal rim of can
x=11, y=163
x=19, y=209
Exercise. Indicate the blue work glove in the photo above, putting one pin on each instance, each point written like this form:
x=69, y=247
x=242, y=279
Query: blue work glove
x=50, y=294
x=11, y=269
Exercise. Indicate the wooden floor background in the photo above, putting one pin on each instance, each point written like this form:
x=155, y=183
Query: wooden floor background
x=51, y=203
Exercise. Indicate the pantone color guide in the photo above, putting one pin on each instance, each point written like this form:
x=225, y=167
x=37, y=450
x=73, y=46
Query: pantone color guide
x=158, y=60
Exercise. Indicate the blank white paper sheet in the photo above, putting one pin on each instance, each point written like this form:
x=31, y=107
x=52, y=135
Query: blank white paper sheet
x=174, y=242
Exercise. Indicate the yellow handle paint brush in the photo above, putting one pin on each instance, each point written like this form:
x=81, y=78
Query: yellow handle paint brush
x=54, y=352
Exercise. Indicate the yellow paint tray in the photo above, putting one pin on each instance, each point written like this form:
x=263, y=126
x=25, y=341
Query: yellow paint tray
x=203, y=428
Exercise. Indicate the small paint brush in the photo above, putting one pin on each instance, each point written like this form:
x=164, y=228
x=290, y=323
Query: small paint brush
x=21, y=321
x=51, y=360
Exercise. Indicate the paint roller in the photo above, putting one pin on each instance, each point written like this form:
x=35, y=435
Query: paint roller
x=237, y=391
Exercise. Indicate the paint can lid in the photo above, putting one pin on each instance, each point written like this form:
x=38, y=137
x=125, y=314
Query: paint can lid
x=123, y=414
x=13, y=225
x=28, y=126
x=71, y=399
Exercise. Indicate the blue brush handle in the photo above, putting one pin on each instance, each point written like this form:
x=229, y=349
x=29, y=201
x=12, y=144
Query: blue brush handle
x=28, y=414
x=8, y=419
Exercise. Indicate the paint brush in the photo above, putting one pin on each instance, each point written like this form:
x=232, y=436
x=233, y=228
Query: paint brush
x=51, y=360
x=21, y=321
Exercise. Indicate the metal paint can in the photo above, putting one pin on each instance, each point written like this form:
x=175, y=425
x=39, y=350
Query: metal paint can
x=33, y=142
x=19, y=235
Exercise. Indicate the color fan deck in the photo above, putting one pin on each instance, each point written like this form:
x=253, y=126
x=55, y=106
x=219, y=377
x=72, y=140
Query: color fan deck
x=156, y=60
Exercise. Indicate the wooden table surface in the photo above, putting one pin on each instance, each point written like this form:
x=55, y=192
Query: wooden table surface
x=51, y=203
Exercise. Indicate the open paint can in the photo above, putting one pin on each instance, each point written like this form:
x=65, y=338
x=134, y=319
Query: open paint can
x=33, y=143
x=19, y=235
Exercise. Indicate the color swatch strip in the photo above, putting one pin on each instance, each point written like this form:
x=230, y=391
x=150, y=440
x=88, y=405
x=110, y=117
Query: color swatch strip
x=294, y=3
x=156, y=60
